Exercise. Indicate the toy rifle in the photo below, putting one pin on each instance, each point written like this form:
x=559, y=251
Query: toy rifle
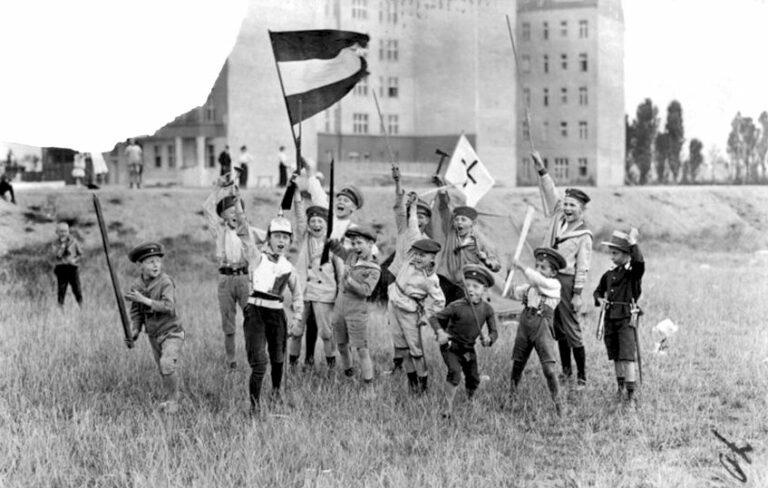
x=634, y=322
x=329, y=228
x=600, y=322
x=519, y=250
x=113, y=276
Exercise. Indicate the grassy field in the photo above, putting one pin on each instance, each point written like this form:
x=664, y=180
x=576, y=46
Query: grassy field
x=79, y=409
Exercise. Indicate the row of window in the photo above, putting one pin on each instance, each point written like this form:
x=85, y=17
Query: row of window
x=546, y=96
x=170, y=155
x=388, y=49
x=561, y=169
x=360, y=124
x=526, y=30
x=544, y=135
x=387, y=10
x=390, y=89
x=525, y=63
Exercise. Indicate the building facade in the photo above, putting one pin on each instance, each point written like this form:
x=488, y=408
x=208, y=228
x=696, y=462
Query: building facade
x=571, y=90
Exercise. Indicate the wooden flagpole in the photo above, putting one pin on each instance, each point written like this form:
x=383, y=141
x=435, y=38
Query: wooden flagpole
x=517, y=69
x=384, y=128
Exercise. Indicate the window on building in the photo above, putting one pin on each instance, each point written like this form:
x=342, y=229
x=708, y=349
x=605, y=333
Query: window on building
x=546, y=63
x=526, y=34
x=561, y=169
x=210, y=113
x=583, y=167
x=211, y=155
x=381, y=86
x=361, y=88
x=527, y=96
x=393, y=124
x=564, y=61
x=360, y=9
x=544, y=131
x=564, y=95
x=545, y=31
x=583, y=97
x=546, y=162
x=392, y=88
x=583, y=61
x=392, y=49
x=525, y=63
x=158, y=156
x=546, y=97
x=583, y=29
x=563, y=28
x=171, y=156
x=328, y=121
x=583, y=134
x=382, y=51
x=526, y=130
x=388, y=11
x=564, y=129
x=360, y=123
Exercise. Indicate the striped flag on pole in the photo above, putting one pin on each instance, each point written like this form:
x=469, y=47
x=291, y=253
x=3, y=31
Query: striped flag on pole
x=317, y=68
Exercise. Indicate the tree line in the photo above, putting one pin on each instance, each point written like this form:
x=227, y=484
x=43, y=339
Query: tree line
x=654, y=155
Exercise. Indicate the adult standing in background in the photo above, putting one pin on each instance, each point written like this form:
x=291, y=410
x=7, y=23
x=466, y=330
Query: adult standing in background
x=225, y=161
x=133, y=154
x=243, y=161
x=78, y=169
x=568, y=235
x=100, y=168
x=282, y=167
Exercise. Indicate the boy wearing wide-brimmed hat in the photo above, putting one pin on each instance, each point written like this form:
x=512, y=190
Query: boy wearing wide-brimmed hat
x=540, y=299
x=350, y=314
x=458, y=326
x=619, y=289
x=153, y=307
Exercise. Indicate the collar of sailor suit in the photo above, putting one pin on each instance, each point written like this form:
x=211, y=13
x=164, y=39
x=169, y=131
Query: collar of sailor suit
x=272, y=255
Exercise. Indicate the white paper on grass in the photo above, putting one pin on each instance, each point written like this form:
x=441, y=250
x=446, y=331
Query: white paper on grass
x=86, y=74
x=467, y=173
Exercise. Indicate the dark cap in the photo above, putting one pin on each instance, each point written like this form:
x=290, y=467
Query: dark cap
x=351, y=192
x=317, y=211
x=477, y=273
x=578, y=195
x=427, y=245
x=423, y=207
x=469, y=212
x=225, y=203
x=619, y=240
x=146, y=250
x=362, y=231
x=549, y=254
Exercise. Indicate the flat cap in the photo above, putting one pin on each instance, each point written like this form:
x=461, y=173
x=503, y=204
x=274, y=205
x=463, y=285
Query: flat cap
x=427, y=245
x=423, y=207
x=365, y=231
x=468, y=212
x=317, y=211
x=351, y=192
x=554, y=257
x=478, y=273
x=578, y=195
x=146, y=250
x=225, y=203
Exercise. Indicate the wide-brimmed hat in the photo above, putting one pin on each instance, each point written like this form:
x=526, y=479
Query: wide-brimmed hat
x=619, y=240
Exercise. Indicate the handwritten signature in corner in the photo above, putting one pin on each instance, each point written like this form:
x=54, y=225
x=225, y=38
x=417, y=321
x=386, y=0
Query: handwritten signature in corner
x=730, y=461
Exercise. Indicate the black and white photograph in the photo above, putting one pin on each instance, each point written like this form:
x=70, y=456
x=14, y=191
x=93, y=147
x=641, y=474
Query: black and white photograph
x=383, y=243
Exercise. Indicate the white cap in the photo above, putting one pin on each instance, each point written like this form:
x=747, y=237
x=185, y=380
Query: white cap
x=280, y=224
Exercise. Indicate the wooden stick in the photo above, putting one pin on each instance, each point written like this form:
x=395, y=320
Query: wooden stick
x=520, y=243
x=384, y=127
x=517, y=70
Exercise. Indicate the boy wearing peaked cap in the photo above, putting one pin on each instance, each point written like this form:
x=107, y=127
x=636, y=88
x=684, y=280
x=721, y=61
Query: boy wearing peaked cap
x=350, y=314
x=619, y=289
x=462, y=244
x=458, y=326
x=569, y=235
x=540, y=298
x=153, y=308
x=265, y=326
x=320, y=283
x=229, y=228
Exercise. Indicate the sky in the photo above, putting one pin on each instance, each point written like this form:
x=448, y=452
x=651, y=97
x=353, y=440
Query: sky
x=86, y=73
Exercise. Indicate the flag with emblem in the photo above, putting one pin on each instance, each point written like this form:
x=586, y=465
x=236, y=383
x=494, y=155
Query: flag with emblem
x=467, y=173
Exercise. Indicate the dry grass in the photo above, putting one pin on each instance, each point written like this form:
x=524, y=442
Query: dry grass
x=78, y=409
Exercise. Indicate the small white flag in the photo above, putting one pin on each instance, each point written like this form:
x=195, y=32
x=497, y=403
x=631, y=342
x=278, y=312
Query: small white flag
x=467, y=173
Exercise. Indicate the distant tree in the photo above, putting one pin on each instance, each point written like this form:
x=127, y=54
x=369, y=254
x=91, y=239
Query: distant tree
x=749, y=138
x=735, y=148
x=675, y=137
x=762, y=146
x=644, y=129
x=629, y=142
x=661, y=153
x=695, y=158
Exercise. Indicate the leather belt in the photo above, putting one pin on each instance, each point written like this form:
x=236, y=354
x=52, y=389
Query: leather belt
x=233, y=271
x=261, y=302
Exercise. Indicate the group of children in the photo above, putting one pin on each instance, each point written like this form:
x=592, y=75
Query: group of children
x=440, y=281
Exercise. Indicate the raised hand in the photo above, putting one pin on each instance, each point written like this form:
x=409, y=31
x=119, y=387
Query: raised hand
x=538, y=163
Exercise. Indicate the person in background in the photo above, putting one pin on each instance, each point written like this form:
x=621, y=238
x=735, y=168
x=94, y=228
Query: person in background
x=225, y=161
x=78, y=169
x=6, y=189
x=282, y=167
x=243, y=162
x=67, y=254
x=134, y=155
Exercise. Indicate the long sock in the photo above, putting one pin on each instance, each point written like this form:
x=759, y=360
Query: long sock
x=565, y=356
x=346, y=360
x=311, y=339
x=408, y=365
x=413, y=381
x=620, y=382
x=421, y=366
x=171, y=386
x=293, y=359
x=254, y=388
x=630, y=390
x=581, y=362
x=330, y=361
x=366, y=365
x=423, y=384
x=277, y=375
x=397, y=362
